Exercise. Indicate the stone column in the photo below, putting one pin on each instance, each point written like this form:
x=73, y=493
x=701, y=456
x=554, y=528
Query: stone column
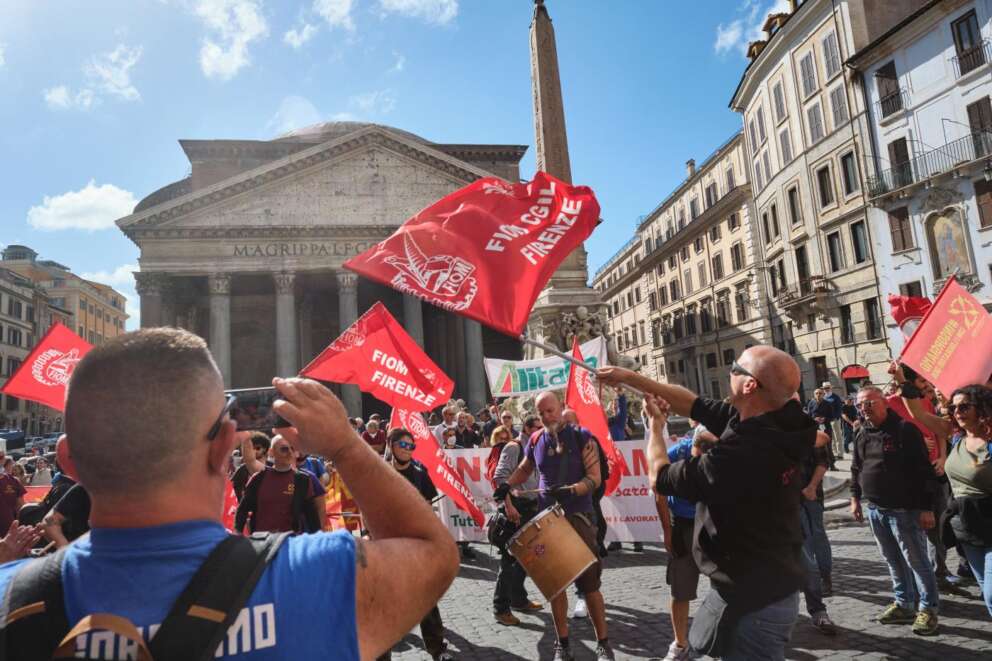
x=351, y=396
x=413, y=318
x=473, y=365
x=219, y=285
x=151, y=289
x=287, y=348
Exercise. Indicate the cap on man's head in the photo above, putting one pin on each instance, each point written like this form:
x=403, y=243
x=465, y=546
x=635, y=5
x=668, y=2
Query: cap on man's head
x=826, y=384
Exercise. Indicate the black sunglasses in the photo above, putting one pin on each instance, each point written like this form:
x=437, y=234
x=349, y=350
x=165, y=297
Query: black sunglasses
x=406, y=445
x=228, y=407
x=735, y=368
x=963, y=407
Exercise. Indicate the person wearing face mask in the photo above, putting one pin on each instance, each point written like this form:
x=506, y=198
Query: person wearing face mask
x=280, y=497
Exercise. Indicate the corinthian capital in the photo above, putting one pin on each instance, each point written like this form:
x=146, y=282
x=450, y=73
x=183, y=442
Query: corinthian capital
x=219, y=283
x=284, y=282
x=151, y=283
x=347, y=280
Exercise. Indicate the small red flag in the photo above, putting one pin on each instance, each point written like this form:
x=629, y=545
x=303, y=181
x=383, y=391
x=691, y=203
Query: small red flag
x=908, y=311
x=44, y=375
x=444, y=476
x=378, y=356
x=581, y=397
x=487, y=250
x=952, y=347
x=230, y=507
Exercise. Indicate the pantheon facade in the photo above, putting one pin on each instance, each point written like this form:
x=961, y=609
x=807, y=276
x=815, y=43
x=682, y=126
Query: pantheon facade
x=247, y=250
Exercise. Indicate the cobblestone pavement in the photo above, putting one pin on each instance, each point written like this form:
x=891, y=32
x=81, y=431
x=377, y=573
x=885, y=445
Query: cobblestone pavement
x=637, y=612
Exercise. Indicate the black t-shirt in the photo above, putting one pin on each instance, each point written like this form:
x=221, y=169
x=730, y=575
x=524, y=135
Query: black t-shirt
x=75, y=507
x=416, y=474
x=239, y=481
x=851, y=411
x=467, y=438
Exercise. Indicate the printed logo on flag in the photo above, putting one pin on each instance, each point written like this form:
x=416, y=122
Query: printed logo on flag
x=962, y=307
x=584, y=386
x=497, y=187
x=351, y=338
x=441, y=279
x=54, y=367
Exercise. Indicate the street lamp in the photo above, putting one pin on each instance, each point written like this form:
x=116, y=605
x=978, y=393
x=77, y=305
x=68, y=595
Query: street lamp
x=987, y=171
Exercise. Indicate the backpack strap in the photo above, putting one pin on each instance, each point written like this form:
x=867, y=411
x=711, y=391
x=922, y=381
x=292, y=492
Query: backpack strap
x=214, y=597
x=32, y=614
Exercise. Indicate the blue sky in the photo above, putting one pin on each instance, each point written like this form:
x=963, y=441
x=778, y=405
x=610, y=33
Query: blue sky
x=94, y=95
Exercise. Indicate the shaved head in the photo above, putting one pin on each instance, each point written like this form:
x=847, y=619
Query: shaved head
x=549, y=408
x=777, y=372
x=136, y=407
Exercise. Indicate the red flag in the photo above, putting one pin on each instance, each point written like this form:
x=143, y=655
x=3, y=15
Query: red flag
x=44, y=374
x=378, y=356
x=487, y=250
x=953, y=345
x=35, y=494
x=581, y=397
x=230, y=507
x=442, y=472
x=908, y=311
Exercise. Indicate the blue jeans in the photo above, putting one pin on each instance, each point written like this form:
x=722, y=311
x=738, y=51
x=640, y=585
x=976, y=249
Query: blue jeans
x=980, y=560
x=812, y=514
x=903, y=545
x=764, y=634
x=813, y=589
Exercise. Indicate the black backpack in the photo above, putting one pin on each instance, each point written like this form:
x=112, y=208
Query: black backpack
x=34, y=626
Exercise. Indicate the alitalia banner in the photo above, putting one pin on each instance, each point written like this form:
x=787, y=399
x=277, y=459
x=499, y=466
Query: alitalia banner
x=509, y=378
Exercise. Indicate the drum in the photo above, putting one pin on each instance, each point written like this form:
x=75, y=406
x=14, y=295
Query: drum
x=551, y=552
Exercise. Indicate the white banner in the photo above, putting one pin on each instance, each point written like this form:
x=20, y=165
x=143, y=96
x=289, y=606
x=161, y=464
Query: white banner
x=630, y=512
x=508, y=378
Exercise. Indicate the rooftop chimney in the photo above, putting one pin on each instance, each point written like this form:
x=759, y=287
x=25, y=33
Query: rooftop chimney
x=793, y=6
x=690, y=168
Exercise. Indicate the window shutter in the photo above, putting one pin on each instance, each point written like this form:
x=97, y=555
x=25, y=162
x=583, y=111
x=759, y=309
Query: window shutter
x=983, y=196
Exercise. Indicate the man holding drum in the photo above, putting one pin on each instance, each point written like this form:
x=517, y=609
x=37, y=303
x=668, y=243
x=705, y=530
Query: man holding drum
x=567, y=462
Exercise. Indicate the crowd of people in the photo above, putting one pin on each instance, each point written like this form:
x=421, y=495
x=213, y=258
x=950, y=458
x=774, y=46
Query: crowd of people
x=152, y=487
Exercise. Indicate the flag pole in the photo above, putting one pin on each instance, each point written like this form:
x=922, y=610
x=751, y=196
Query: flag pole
x=572, y=359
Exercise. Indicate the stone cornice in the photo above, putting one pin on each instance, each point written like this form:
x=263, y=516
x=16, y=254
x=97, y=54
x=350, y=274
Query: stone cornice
x=511, y=153
x=269, y=232
x=294, y=163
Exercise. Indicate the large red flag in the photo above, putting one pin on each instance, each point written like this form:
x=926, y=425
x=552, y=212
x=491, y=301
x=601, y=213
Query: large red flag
x=952, y=347
x=432, y=456
x=44, y=374
x=908, y=311
x=378, y=356
x=581, y=397
x=487, y=250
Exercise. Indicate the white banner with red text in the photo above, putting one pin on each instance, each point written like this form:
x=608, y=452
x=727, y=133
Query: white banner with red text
x=630, y=512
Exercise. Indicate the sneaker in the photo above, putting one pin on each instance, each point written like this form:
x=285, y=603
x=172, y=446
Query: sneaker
x=925, y=623
x=507, y=619
x=581, y=610
x=676, y=653
x=828, y=586
x=528, y=607
x=562, y=653
x=823, y=623
x=604, y=653
x=896, y=614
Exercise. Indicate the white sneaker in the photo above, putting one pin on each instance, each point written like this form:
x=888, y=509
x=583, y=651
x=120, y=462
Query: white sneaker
x=581, y=610
x=676, y=653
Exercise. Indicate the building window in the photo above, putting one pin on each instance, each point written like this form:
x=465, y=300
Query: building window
x=737, y=257
x=672, y=263
x=728, y=356
x=768, y=170
x=705, y=317
x=765, y=226
x=849, y=173
x=13, y=404
x=733, y=222
x=983, y=198
x=776, y=229
x=831, y=55
x=773, y=279
x=13, y=308
x=846, y=325
x=911, y=289
x=687, y=281
x=652, y=301
x=753, y=133
x=693, y=208
x=722, y=311
x=714, y=233
x=14, y=336
x=757, y=175
x=859, y=237
x=702, y=274
x=681, y=222
x=838, y=106
x=662, y=296
x=642, y=332
x=690, y=321
x=710, y=361
x=685, y=253
x=740, y=302
x=815, y=120
x=717, y=267
x=873, y=323
x=637, y=294
x=826, y=186
x=678, y=328
x=887, y=85
x=902, y=233
x=778, y=98
x=12, y=365
x=795, y=215
x=968, y=43
x=673, y=289
x=785, y=145
x=834, y=252
x=730, y=179
x=698, y=244
x=761, y=125
x=807, y=68
x=630, y=299
x=711, y=195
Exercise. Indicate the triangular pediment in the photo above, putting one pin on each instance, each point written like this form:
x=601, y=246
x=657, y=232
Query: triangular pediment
x=373, y=176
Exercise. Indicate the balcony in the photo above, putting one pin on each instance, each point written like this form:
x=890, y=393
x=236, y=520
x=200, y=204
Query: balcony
x=809, y=292
x=892, y=103
x=967, y=61
x=929, y=164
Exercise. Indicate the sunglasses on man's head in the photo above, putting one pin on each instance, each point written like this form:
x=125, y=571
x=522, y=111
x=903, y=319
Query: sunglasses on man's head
x=406, y=445
x=735, y=368
x=963, y=407
x=228, y=407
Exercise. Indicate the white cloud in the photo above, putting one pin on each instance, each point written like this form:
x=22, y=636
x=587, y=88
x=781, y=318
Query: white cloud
x=737, y=34
x=381, y=102
x=297, y=37
x=90, y=208
x=111, y=72
x=122, y=280
x=728, y=37
x=61, y=98
x=294, y=112
x=233, y=26
x=337, y=13
x=400, y=63
x=439, y=12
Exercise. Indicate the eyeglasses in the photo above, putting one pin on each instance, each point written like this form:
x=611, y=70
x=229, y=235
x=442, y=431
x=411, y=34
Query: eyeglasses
x=866, y=404
x=735, y=368
x=228, y=407
x=406, y=445
x=963, y=407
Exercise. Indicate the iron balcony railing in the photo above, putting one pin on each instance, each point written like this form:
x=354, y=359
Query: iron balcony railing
x=969, y=60
x=892, y=103
x=963, y=150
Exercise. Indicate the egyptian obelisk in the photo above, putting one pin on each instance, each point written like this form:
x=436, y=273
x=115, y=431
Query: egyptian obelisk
x=557, y=314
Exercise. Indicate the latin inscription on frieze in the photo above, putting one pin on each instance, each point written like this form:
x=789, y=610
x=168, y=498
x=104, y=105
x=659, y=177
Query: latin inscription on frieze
x=308, y=249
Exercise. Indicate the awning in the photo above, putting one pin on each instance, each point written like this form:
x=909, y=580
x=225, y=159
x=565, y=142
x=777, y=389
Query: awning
x=854, y=372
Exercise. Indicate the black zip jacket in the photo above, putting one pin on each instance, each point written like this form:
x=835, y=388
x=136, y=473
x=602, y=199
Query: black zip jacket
x=891, y=466
x=750, y=482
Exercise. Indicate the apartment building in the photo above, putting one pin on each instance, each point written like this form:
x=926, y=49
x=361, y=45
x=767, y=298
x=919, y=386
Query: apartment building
x=928, y=84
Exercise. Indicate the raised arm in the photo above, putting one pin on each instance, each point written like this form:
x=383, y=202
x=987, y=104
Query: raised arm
x=680, y=399
x=248, y=455
x=402, y=526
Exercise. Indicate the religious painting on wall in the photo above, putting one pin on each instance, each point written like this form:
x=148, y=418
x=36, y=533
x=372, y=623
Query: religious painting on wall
x=948, y=244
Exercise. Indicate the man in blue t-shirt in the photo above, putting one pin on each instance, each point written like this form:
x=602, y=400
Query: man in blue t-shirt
x=157, y=483
x=567, y=460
